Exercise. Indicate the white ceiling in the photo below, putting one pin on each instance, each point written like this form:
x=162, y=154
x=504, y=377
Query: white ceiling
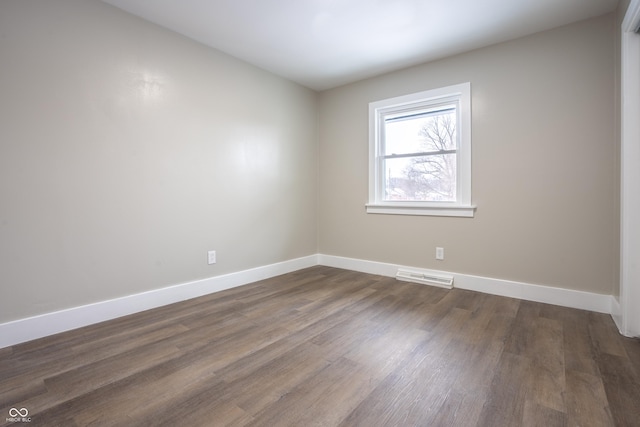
x=326, y=43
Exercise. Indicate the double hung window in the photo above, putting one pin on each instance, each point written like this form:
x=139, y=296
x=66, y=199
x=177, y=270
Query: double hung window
x=420, y=153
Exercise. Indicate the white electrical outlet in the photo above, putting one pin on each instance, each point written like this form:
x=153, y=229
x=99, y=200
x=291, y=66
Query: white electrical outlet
x=211, y=257
x=440, y=254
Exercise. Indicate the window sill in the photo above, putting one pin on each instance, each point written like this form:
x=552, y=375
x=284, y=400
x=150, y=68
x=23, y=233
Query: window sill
x=465, y=211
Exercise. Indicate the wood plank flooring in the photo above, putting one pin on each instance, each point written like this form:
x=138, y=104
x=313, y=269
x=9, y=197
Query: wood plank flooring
x=330, y=347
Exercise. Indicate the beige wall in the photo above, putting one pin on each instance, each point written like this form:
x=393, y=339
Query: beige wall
x=127, y=152
x=544, y=165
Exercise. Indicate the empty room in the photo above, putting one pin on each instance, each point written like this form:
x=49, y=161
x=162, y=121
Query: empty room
x=320, y=213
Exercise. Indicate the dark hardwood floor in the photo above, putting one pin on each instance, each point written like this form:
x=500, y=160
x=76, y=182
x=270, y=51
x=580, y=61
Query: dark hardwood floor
x=330, y=347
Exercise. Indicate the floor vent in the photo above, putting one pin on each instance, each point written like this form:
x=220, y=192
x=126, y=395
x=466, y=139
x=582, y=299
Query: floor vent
x=440, y=280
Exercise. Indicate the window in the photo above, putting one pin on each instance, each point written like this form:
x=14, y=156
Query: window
x=420, y=153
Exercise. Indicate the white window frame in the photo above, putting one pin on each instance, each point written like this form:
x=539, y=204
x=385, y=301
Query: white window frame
x=459, y=94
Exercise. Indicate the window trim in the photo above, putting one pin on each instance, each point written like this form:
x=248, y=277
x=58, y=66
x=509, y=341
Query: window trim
x=460, y=94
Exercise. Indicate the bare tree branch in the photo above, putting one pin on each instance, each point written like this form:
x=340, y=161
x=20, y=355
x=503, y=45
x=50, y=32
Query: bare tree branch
x=432, y=177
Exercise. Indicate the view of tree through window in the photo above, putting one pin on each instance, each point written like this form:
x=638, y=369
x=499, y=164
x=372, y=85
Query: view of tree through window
x=420, y=151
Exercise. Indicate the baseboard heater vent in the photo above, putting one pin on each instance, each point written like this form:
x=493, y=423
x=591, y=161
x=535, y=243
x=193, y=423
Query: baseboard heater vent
x=440, y=280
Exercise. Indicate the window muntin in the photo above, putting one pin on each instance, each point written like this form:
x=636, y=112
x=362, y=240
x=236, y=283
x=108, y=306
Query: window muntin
x=420, y=153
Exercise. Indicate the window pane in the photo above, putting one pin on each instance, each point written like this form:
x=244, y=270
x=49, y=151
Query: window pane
x=424, y=178
x=418, y=133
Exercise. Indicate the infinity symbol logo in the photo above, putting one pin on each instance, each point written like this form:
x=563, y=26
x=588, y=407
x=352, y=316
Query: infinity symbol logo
x=22, y=412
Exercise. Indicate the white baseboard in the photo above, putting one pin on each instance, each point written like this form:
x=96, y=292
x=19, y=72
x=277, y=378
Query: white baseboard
x=31, y=328
x=525, y=291
x=616, y=314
